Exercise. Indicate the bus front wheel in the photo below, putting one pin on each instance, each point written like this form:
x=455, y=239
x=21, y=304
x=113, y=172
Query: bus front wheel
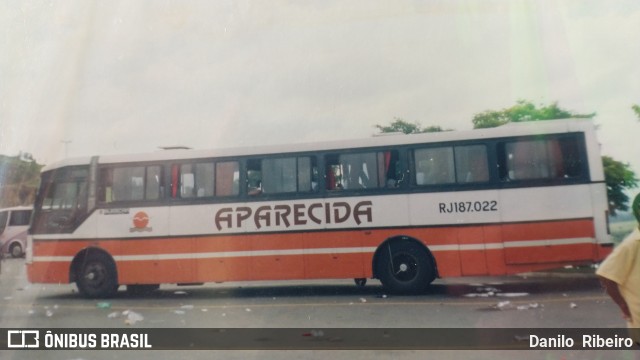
x=96, y=277
x=16, y=250
x=405, y=267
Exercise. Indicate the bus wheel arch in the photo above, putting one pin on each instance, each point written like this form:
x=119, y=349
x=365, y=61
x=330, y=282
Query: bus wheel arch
x=95, y=273
x=404, y=265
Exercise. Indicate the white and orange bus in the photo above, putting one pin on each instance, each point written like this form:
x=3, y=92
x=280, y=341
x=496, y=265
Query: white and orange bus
x=403, y=209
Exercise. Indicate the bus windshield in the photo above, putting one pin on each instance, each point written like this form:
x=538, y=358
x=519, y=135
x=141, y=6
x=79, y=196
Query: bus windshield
x=61, y=201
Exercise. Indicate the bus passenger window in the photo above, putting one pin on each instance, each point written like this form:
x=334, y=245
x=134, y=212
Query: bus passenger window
x=227, y=179
x=472, y=164
x=196, y=180
x=130, y=183
x=434, y=166
x=286, y=175
x=105, y=191
x=254, y=177
x=333, y=173
x=369, y=170
x=187, y=181
x=153, y=185
x=540, y=159
x=389, y=172
x=278, y=176
x=307, y=174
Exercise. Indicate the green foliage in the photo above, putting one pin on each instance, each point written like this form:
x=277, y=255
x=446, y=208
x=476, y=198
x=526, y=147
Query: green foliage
x=618, y=177
x=636, y=109
x=524, y=111
x=19, y=180
x=400, y=125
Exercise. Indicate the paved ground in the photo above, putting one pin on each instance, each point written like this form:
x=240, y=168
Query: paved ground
x=566, y=299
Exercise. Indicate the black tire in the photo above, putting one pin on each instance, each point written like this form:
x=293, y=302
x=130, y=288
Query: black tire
x=16, y=250
x=142, y=289
x=96, y=277
x=405, y=267
x=360, y=282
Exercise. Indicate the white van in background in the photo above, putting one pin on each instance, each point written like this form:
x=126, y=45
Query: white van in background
x=14, y=224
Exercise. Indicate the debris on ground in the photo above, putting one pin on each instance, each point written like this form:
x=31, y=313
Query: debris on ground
x=513, y=294
x=132, y=317
x=103, y=305
x=113, y=315
x=504, y=305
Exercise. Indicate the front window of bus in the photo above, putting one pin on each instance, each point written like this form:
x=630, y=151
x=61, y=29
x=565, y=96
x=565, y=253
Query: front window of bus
x=62, y=200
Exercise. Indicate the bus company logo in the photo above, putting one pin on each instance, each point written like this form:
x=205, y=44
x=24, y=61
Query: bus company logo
x=23, y=339
x=140, y=222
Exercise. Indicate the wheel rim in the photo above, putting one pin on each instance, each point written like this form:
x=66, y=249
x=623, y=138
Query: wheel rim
x=404, y=267
x=16, y=250
x=94, y=275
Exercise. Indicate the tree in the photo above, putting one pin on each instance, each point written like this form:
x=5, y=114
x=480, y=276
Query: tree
x=400, y=125
x=618, y=176
x=636, y=109
x=524, y=111
x=19, y=179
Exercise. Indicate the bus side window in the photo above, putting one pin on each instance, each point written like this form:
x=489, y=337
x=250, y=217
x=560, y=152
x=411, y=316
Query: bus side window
x=254, y=177
x=434, y=166
x=366, y=170
x=389, y=172
x=187, y=181
x=227, y=179
x=20, y=218
x=196, y=180
x=204, y=179
x=153, y=183
x=554, y=158
x=105, y=192
x=130, y=183
x=307, y=174
x=284, y=175
x=472, y=164
x=333, y=173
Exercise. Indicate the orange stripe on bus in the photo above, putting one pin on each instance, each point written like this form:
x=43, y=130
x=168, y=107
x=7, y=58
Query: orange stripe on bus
x=466, y=235
x=324, y=258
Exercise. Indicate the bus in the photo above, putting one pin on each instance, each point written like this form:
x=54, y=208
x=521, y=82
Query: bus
x=404, y=209
x=14, y=223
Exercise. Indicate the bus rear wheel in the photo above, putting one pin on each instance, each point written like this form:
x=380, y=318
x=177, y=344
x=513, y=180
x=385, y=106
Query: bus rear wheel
x=96, y=277
x=405, y=267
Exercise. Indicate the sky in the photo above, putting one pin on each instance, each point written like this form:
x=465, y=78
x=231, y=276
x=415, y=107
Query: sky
x=80, y=78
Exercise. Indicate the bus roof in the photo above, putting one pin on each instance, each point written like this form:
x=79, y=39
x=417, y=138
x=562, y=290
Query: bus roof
x=511, y=129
